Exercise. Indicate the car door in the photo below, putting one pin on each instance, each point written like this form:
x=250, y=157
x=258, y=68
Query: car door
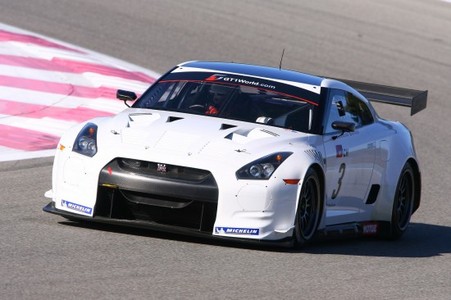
x=350, y=158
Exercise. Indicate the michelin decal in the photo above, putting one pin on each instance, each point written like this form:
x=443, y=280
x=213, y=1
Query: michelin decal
x=77, y=207
x=232, y=230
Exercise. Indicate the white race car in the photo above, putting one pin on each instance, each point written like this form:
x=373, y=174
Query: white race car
x=246, y=152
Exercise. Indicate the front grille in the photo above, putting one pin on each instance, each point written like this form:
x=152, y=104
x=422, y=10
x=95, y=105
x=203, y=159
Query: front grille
x=163, y=170
x=169, y=195
x=117, y=204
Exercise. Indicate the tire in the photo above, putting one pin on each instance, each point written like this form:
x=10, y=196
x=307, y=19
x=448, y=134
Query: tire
x=308, y=212
x=402, y=203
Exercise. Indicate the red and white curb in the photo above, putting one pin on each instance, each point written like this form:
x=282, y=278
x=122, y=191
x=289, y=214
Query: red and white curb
x=48, y=86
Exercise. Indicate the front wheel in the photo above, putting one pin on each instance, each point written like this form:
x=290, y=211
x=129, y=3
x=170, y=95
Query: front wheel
x=308, y=210
x=403, y=203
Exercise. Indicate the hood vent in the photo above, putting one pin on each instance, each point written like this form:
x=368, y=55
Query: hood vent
x=141, y=119
x=172, y=119
x=227, y=126
x=252, y=134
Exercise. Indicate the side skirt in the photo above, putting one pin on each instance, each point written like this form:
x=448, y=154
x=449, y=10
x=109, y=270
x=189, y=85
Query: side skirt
x=371, y=228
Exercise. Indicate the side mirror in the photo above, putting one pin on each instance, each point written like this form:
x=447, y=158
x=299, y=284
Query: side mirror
x=343, y=127
x=126, y=96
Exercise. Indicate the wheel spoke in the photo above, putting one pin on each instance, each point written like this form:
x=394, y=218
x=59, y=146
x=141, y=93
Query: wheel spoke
x=404, y=198
x=307, y=209
x=403, y=202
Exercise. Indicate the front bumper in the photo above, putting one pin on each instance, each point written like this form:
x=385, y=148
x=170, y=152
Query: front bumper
x=172, y=198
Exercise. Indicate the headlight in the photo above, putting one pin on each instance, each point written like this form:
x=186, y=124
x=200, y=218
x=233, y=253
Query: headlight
x=86, y=141
x=262, y=168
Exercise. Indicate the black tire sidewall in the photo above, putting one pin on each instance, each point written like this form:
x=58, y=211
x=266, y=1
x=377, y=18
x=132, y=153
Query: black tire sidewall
x=298, y=237
x=397, y=230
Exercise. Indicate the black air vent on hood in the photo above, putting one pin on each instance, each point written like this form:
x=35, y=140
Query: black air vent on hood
x=226, y=126
x=172, y=119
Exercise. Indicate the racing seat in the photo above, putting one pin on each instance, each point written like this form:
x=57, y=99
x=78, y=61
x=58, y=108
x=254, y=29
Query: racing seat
x=240, y=108
x=299, y=120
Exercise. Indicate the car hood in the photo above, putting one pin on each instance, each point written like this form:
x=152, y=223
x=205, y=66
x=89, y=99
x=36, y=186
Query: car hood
x=180, y=135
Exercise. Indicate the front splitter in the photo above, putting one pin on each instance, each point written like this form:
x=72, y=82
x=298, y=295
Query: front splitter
x=50, y=208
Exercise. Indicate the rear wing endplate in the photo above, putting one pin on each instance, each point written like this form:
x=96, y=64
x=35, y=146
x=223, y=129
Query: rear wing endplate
x=415, y=99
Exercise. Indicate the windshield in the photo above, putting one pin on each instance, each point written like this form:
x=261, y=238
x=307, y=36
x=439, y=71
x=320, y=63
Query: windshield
x=244, y=100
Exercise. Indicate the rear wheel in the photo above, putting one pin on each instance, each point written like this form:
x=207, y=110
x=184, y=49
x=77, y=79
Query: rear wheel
x=308, y=210
x=403, y=203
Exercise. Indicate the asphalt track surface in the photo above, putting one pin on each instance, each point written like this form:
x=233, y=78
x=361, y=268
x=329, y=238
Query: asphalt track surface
x=405, y=43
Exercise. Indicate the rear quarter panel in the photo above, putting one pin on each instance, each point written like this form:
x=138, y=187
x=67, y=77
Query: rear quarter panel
x=395, y=149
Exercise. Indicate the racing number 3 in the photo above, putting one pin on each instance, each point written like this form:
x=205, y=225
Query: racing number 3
x=342, y=172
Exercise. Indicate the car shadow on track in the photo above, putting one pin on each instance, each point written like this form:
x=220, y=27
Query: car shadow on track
x=420, y=240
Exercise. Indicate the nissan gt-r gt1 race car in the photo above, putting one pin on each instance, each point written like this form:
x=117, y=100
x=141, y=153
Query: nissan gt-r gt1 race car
x=248, y=152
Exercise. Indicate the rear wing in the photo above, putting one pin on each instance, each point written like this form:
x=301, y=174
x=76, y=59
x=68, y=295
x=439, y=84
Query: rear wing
x=415, y=99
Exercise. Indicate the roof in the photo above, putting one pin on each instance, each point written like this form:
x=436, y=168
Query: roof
x=258, y=71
